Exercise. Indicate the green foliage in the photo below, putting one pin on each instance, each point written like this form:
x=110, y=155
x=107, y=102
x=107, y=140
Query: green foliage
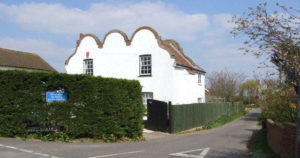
x=249, y=91
x=223, y=120
x=60, y=136
x=98, y=108
x=278, y=102
x=187, y=116
x=258, y=145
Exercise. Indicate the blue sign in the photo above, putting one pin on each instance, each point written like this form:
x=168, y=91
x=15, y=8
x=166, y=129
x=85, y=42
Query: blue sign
x=56, y=96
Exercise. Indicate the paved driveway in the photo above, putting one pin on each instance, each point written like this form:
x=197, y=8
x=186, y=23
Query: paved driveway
x=228, y=141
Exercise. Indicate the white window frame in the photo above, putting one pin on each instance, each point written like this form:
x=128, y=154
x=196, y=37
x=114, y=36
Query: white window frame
x=88, y=67
x=200, y=100
x=199, y=79
x=145, y=67
x=146, y=96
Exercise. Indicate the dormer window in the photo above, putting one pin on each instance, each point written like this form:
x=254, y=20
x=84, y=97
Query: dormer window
x=145, y=65
x=88, y=67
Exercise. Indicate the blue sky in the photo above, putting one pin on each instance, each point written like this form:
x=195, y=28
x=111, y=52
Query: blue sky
x=51, y=28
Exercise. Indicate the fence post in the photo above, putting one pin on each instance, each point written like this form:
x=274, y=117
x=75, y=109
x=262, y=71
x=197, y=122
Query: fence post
x=171, y=117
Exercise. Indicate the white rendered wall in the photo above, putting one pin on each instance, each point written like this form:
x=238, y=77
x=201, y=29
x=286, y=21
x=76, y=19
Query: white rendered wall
x=187, y=88
x=117, y=60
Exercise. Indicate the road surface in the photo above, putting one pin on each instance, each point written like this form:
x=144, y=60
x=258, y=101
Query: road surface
x=228, y=141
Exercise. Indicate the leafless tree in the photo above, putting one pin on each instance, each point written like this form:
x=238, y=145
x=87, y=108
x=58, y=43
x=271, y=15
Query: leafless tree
x=275, y=35
x=225, y=84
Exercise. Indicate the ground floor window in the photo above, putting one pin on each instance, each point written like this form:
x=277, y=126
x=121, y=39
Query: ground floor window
x=146, y=96
x=200, y=100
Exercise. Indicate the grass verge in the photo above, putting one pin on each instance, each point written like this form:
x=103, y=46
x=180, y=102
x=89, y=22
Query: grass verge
x=219, y=122
x=258, y=146
x=223, y=120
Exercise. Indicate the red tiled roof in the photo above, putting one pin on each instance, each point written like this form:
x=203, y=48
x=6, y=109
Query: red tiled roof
x=180, y=58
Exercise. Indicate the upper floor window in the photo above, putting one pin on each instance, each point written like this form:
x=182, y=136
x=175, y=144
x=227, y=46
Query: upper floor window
x=145, y=65
x=199, y=79
x=88, y=67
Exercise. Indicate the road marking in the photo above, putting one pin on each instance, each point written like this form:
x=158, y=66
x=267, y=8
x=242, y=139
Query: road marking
x=41, y=154
x=117, y=154
x=189, y=153
x=11, y=147
x=27, y=151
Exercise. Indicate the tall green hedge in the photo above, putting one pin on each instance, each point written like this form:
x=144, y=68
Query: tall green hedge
x=187, y=116
x=96, y=107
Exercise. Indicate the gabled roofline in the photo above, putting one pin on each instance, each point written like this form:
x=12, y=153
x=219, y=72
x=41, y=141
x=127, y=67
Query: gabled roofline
x=126, y=39
x=164, y=44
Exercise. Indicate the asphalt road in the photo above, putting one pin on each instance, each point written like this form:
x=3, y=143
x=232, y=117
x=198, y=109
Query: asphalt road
x=228, y=141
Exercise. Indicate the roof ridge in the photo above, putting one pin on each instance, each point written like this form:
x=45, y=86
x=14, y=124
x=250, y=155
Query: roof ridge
x=18, y=51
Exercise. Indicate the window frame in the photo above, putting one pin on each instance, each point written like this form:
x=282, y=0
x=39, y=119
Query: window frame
x=86, y=69
x=148, y=94
x=141, y=65
x=199, y=79
x=200, y=100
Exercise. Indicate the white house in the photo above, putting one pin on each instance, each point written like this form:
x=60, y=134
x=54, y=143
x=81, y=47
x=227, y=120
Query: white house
x=162, y=68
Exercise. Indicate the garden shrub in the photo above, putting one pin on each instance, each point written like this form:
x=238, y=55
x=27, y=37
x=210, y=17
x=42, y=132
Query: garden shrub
x=96, y=107
x=278, y=102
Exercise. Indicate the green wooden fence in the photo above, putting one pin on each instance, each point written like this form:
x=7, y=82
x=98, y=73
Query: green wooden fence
x=187, y=116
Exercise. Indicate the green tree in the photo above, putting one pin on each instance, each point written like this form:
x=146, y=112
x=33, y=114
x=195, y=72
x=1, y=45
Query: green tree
x=249, y=90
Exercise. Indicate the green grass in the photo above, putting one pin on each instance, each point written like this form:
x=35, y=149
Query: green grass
x=258, y=146
x=223, y=120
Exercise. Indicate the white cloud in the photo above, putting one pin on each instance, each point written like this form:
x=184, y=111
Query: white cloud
x=219, y=30
x=54, y=55
x=223, y=21
x=102, y=17
x=228, y=56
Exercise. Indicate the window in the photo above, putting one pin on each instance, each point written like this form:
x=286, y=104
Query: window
x=88, y=66
x=146, y=96
x=199, y=79
x=200, y=100
x=145, y=65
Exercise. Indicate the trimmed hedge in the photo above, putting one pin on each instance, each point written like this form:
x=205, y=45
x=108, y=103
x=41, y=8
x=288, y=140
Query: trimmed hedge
x=187, y=116
x=100, y=108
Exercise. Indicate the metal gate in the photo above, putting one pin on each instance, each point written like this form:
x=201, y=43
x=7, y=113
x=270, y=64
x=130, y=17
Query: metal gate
x=158, y=117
